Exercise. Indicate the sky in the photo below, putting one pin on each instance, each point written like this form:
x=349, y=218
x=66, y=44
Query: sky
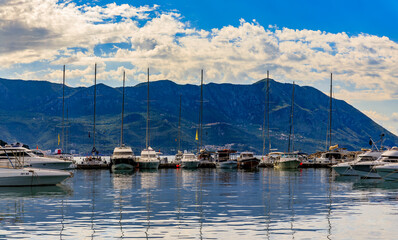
x=233, y=41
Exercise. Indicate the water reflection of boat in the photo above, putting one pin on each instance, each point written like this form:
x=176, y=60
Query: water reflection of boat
x=39, y=191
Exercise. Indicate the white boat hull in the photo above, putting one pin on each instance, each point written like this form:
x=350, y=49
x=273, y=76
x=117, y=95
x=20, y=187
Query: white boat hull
x=190, y=164
x=388, y=173
x=148, y=165
x=31, y=177
x=344, y=170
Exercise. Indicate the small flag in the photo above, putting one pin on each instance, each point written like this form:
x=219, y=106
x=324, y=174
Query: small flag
x=59, y=139
x=196, y=138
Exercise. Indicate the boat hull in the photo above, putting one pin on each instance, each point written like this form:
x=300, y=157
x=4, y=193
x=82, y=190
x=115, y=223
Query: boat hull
x=366, y=171
x=388, y=174
x=190, y=164
x=31, y=177
x=345, y=170
x=123, y=164
x=293, y=164
x=148, y=165
x=249, y=164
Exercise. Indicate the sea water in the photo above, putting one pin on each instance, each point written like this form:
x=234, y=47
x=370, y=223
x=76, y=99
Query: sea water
x=202, y=204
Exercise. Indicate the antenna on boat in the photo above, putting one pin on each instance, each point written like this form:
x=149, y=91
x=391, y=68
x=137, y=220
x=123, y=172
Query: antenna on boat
x=147, y=114
x=95, y=95
x=291, y=133
x=179, y=128
x=63, y=111
x=121, y=132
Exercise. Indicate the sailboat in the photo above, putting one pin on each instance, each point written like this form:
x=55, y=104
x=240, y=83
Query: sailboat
x=149, y=158
x=289, y=159
x=266, y=158
x=123, y=156
x=179, y=154
x=94, y=161
x=332, y=155
x=204, y=156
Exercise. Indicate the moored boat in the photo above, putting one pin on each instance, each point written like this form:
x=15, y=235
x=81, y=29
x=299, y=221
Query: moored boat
x=189, y=160
x=224, y=159
x=247, y=160
x=287, y=161
x=148, y=159
x=389, y=171
x=122, y=158
x=10, y=155
x=346, y=168
x=11, y=177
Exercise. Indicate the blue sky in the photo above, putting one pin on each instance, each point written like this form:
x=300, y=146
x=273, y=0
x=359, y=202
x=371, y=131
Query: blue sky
x=234, y=41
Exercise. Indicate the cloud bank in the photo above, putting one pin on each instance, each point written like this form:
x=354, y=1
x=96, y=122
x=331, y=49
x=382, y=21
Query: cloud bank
x=38, y=36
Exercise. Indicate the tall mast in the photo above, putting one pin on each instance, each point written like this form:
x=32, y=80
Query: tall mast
x=291, y=133
x=66, y=130
x=95, y=96
x=63, y=111
x=179, y=128
x=329, y=133
x=147, y=115
x=268, y=110
x=266, y=115
x=201, y=108
x=121, y=132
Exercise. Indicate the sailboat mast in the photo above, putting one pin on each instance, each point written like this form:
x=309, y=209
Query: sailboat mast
x=330, y=109
x=201, y=108
x=66, y=130
x=95, y=96
x=63, y=111
x=179, y=128
x=147, y=114
x=291, y=133
x=268, y=110
x=121, y=132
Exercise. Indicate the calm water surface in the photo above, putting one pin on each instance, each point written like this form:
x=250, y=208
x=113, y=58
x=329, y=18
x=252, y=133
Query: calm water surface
x=202, y=204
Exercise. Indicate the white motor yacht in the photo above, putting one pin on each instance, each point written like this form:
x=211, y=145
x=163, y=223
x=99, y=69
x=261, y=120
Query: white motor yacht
x=189, y=160
x=389, y=171
x=122, y=158
x=10, y=155
x=346, y=168
x=11, y=177
x=287, y=161
x=149, y=159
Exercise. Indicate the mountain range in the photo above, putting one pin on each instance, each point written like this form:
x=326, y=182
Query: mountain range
x=233, y=115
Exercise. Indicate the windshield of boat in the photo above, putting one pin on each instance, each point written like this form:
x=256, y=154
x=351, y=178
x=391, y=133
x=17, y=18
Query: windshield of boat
x=189, y=156
x=287, y=155
x=366, y=158
x=122, y=153
x=148, y=155
x=246, y=155
x=390, y=159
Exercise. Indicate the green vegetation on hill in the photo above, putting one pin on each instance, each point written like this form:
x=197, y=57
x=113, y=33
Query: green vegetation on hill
x=233, y=114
